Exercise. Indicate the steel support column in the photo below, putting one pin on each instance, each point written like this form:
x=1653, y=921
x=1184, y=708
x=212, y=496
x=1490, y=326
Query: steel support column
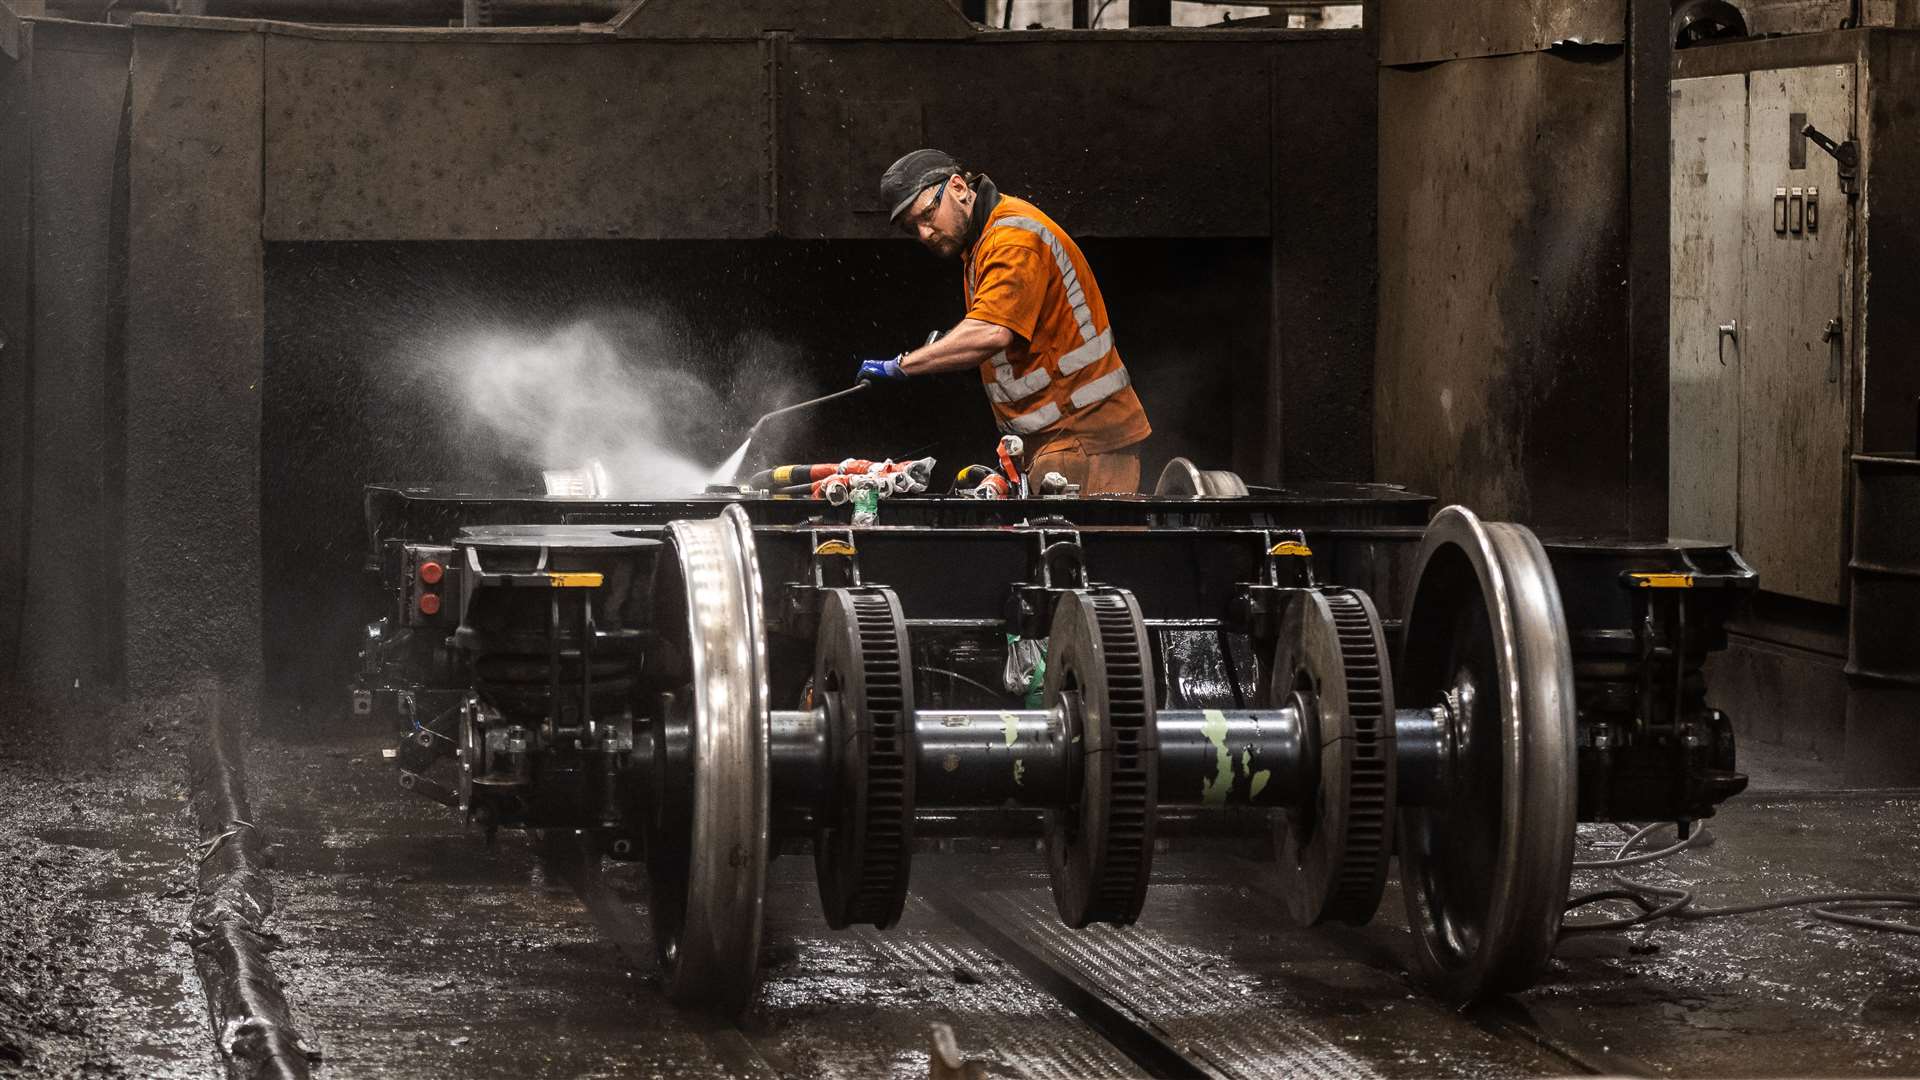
x=1649, y=287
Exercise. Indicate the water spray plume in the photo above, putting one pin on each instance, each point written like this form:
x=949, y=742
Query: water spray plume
x=612, y=403
x=730, y=468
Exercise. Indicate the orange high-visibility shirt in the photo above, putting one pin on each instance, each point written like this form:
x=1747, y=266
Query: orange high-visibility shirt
x=1063, y=376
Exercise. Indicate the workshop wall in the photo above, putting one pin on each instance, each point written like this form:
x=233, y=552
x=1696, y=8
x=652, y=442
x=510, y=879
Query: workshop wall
x=1524, y=172
x=1222, y=182
x=62, y=169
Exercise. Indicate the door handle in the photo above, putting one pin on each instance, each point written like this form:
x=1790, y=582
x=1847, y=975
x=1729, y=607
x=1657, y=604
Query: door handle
x=1728, y=329
x=1835, y=337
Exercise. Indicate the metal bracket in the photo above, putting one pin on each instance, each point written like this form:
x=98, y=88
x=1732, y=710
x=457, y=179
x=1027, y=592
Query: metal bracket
x=1287, y=560
x=1286, y=567
x=432, y=789
x=833, y=564
x=835, y=559
x=1846, y=153
x=1058, y=564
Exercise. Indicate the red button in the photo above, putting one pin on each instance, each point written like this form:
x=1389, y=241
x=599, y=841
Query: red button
x=429, y=603
x=432, y=572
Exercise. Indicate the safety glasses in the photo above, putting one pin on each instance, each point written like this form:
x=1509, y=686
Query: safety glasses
x=911, y=221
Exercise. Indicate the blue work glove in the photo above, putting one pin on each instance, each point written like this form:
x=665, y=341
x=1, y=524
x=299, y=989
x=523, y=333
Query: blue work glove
x=880, y=370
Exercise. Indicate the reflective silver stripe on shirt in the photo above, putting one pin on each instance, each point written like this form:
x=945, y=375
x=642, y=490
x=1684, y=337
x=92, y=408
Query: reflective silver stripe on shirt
x=1100, y=389
x=1087, y=354
x=1068, y=279
x=1028, y=423
x=1019, y=389
x=1008, y=387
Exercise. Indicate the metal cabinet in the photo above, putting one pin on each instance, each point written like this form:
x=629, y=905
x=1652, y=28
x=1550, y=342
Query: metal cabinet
x=1767, y=366
x=1709, y=245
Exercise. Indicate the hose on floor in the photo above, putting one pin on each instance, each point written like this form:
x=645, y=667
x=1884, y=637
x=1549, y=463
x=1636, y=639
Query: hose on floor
x=1667, y=902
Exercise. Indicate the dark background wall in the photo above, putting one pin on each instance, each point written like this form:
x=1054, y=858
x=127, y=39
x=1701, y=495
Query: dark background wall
x=176, y=474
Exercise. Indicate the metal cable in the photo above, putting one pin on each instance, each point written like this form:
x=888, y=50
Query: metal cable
x=1700, y=837
x=1665, y=902
x=963, y=678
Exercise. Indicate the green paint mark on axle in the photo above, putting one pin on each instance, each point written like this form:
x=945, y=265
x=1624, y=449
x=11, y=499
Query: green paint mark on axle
x=1019, y=773
x=1259, y=781
x=1214, y=792
x=1010, y=724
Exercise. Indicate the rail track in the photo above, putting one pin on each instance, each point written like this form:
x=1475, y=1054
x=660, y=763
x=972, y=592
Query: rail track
x=412, y=949
x=1153, y=1002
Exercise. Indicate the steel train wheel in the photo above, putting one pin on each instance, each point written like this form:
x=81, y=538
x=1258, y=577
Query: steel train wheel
x=1183, y=479
x=862, y=851
x=1485, y=868
x=707, y=842
x=1333, y=854
x=1100, y=850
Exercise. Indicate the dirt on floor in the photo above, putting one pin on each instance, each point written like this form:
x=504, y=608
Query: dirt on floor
x=96, y=857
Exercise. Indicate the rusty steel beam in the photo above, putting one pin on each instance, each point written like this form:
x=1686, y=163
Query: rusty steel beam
x=358, y=12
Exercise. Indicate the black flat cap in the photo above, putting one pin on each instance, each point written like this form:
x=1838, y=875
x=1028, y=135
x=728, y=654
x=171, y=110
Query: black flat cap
x=913, y=174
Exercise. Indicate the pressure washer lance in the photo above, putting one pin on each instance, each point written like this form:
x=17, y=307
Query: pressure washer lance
x=730, y=468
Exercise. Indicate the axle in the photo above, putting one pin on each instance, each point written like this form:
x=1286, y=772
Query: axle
x=1030, y=758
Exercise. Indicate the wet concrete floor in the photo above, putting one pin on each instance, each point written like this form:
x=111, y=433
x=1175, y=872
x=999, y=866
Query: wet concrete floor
x=96, y=851
x=413, y=950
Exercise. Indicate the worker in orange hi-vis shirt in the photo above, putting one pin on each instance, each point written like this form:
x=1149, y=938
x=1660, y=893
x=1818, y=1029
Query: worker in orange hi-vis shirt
x=1036, y=326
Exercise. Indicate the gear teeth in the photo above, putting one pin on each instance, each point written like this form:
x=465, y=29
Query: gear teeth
x=1358, y=888
x=881, y=890
x=1117, y=895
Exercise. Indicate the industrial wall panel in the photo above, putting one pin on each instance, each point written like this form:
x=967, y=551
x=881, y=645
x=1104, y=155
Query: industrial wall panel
x=1781, y=694
x=442, y=140
x=1889, y=313
x=1191, y=160
x=1422, y=31
x=193, y=356
x=1501, y=353
x=16, y=344
x=72, y=589
x=1319, y=393
x=1709, y=237
x=811, y=18
x=1813, y=16
x=1794, y=373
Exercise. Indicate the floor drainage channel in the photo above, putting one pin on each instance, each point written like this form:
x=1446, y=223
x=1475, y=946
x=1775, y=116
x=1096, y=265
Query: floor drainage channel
x=251, y=1021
